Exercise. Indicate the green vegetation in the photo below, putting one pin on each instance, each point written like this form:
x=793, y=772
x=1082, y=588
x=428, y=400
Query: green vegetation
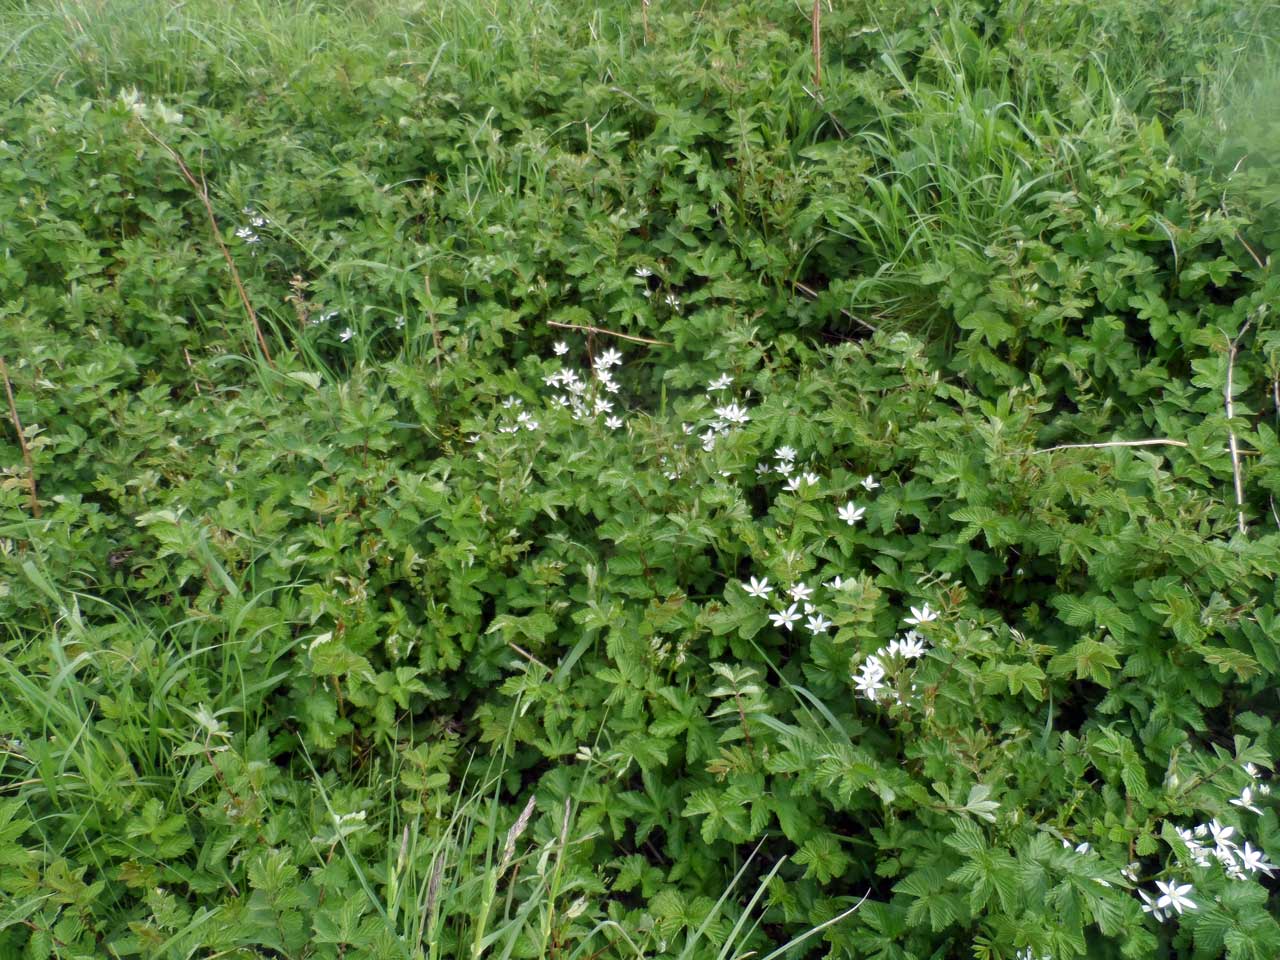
x=533, y=480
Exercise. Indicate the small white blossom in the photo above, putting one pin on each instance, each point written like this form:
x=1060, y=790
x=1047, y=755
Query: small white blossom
x=610, y=358
x=1255, y=860
x=818, y=623
x=759, y=588
x=801, y=592
x=643, y=273
x=560, y=348
x=720, y=383
x=1245, y=800
x=733, y=413
x=851, y=513
x=672, y=301
x=869, y=483
x=613, y=423
x=786, y=618
x=921, y=615
x=786, y=454
x=1150, y=906
x=1174, y=895
x=346, y=335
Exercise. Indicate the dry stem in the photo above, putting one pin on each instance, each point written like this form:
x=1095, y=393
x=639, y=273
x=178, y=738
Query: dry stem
x=812, y=294
x=435, y=331
x=22, y=440
x=817, y=44
x=1236, y=475
x=202, y=192
x=1154, y=442
x=611, y=333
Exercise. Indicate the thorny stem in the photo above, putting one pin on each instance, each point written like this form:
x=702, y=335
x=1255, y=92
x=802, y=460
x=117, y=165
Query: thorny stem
x=611, y=333
x=22, y=440
x=817, y=44
x=202, y=192
x=1231, y=434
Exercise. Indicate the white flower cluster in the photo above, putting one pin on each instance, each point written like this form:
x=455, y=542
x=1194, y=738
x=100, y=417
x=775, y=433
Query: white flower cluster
x=1207, y=844
x=580, y=394
x=1237, y=861
x=871, y=679
x=523, y=420
x=248, y=234
x=585, y=395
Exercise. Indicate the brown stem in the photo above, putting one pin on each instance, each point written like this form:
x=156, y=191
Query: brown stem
x=435, y=332
x=22, y=440
x=611, y=333
x=817, y=44
x=202, y=193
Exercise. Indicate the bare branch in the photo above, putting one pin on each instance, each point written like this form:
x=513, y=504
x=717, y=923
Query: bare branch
x=1154, y=442
x=22, y=440
x=612, y=333
x=202, y=192
x=1236, y=474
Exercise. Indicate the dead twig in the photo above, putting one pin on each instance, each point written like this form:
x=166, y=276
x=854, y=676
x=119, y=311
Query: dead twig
x=527, y=655
x=817, y=44
x=431, y=315
x=612, y=333
x=1154, y=442
x=1256, y=259
x=22, y=440
x=1236, y=473
x=812, y=294
x=202, y=192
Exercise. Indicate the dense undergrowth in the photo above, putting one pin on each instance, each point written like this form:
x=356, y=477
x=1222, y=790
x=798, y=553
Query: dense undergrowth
x=600, y=493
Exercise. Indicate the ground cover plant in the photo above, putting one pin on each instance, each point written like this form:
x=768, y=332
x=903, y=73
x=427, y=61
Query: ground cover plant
x=647, y=479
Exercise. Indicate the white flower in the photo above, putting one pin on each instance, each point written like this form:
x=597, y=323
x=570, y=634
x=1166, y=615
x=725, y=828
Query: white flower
x=603, y=406
x=921, y=615
x=1251, y=770
x=792, y=485
x=800, y=592
x=1150, y=906
x=643, y=273
x=786, y=454
x=733, y=413
x=786, y=619
x=835, y=583
x=346, y=335
x=672, y=301
x=759, y=588
x=785, y=467
x=1173, y=895
x=1245, y=800
x=400, y=321
x=851, y=513
x=911, y=647
x=720, y=383
x=613, y=423
x=247, y=235
x=818, y=623
x=869, y=483
x=1221, y=834
x=811, y=479
x=610, y=358
x=560, y=348
x=1255, y=860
